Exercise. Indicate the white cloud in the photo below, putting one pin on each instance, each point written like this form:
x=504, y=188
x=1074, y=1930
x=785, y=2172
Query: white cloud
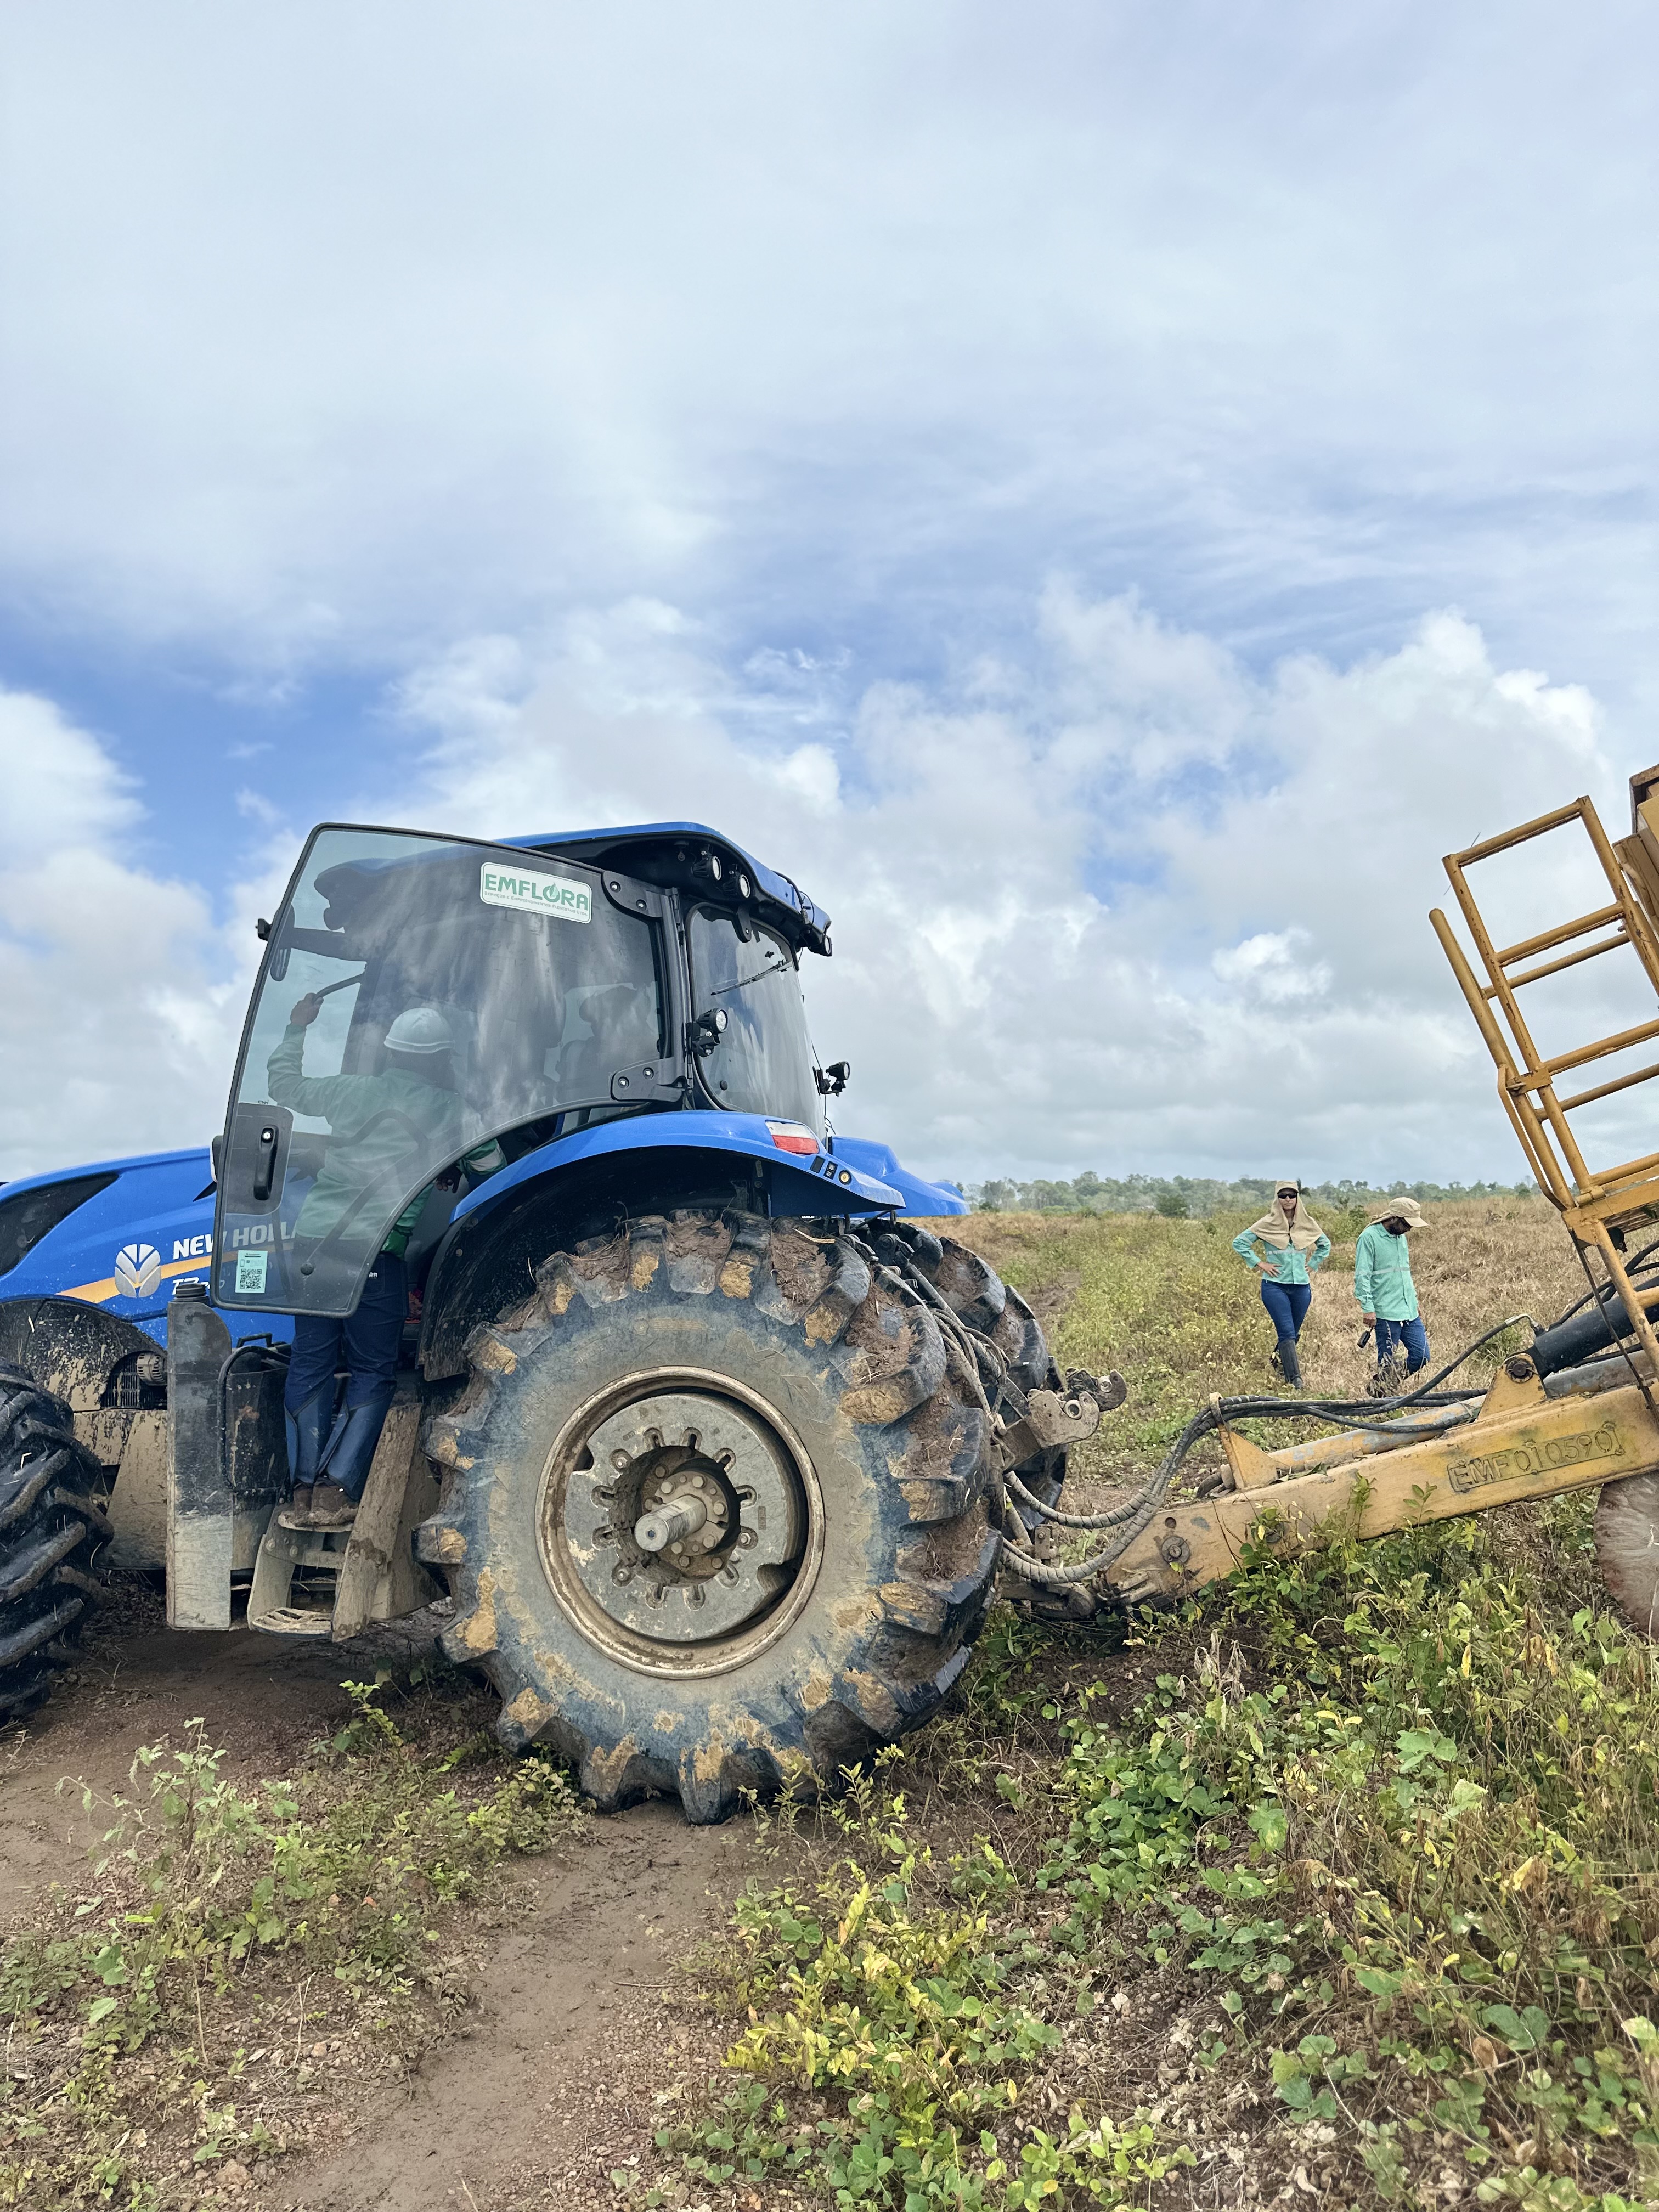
x=1267, y=965
x=330, y=342
x=1117, y=902
x=1145, y=909
x=675, y=412
x=115, y=1023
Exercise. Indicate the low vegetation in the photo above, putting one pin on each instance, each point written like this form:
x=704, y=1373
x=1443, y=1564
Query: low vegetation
x=1340, y=1887
x=184, y=2012
x=1182, y=1197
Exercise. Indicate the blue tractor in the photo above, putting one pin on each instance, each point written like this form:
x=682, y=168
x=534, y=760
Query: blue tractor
x=698, y=1438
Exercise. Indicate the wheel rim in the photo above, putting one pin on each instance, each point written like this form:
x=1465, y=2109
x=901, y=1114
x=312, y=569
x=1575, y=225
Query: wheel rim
x=717, y=1473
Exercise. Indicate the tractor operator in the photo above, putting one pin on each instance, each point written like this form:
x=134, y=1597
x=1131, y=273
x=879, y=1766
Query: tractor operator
x=411, y=1111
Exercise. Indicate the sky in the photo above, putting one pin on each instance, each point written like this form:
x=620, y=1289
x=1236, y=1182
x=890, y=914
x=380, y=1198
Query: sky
x=1105, y=495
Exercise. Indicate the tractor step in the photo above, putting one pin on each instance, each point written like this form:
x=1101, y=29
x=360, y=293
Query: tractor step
x=334, y=1582
x=294, y=1620
x=295, y=1577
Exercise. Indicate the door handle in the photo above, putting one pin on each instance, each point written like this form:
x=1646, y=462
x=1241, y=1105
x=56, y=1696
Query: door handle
x=265, y=1161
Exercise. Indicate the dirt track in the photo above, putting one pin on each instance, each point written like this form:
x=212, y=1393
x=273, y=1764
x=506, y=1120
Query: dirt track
x=566, y=2057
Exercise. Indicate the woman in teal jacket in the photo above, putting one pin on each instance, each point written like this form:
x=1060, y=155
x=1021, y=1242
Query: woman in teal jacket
x=1287, y=1247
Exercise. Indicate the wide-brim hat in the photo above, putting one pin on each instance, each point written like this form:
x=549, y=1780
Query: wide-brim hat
x=1400, y=1209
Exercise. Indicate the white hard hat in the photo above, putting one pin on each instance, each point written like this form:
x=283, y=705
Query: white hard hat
x=420, y=1029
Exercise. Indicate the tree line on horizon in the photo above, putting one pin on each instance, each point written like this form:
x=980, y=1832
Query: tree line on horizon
x=1183, y=1198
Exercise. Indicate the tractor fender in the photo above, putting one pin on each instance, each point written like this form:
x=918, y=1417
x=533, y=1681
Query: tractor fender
x=70, y=1349
x=584, y=1184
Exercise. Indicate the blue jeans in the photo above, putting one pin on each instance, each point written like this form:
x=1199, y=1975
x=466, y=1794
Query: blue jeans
x=1287, y=1306
x=1393, y=1337
x=341, y=1445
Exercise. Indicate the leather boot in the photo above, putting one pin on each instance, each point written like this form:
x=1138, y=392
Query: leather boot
x=1288, y=1365
x=331, y=1507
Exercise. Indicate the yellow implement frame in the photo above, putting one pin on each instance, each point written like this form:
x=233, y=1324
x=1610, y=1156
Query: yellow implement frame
x=1595, y=1425
x=1599, y=1204
x=1521, y=1442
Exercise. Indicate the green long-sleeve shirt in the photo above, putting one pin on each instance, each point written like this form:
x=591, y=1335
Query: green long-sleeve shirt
x=1383, y=1275
x=386, y=1129
x=1282, y=1264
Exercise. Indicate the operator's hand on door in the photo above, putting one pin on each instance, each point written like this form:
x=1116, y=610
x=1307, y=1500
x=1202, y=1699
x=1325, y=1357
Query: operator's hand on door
x=306, y=1011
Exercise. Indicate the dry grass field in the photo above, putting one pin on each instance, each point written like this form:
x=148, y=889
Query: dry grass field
x=1174, y=1308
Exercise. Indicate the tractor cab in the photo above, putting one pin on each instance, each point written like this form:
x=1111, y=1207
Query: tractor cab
x=425, y=1000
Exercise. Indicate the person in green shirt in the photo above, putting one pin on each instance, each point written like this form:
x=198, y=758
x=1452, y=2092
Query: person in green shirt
x=1383, y=1286
x=1287, y=1248
x=384, y=1128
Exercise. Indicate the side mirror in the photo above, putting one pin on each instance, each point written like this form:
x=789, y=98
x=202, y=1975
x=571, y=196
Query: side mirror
x=833, y=1079
x=283, y=951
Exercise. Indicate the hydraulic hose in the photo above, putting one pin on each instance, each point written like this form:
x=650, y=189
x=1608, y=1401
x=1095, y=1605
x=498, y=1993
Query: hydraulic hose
x=1131, y=1517
x=1136, y=1514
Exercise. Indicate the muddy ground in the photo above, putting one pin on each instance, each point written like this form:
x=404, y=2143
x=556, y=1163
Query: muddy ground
x=575, y=2039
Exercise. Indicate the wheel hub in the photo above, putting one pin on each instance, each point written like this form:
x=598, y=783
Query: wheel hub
x=683, y=1524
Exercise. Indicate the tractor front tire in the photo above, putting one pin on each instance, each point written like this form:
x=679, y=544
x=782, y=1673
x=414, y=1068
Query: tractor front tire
x=1627, y=1549
x=51, y=1528
x=808, y=1408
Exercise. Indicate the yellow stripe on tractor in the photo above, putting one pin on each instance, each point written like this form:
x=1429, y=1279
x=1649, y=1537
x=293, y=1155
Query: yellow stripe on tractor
x=94, y=1294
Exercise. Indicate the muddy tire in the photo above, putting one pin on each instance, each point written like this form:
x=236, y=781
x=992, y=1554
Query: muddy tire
x=807, y=1405
x=52, y=1528
x=978, y=1297
x=1627, y=1549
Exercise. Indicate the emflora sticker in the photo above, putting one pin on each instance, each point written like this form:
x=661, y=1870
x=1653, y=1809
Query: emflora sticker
x=251, y=1274
x=532, y=892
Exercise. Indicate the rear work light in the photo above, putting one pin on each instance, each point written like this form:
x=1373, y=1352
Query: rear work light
x=792, y=1137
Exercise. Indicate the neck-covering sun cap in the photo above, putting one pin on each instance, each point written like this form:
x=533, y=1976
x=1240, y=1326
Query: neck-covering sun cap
x=1400, y=1208
x=1275, y=1229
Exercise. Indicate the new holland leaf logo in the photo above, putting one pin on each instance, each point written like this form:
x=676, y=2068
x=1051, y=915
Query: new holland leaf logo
x=137, y=1269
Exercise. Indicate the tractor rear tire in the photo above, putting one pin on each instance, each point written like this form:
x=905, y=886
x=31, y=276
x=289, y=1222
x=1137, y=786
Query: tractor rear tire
x=841, y=1448
x=977, y=1296
x=51, y=1528
x=1627, y=1549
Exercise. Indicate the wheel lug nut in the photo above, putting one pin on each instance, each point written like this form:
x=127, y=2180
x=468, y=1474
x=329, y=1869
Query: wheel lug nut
x=619, y=1460
x=747, y=1538
x=622, y=1574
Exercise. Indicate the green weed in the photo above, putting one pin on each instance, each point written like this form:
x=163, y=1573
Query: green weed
x=1384, y=1825
x=216, y=1900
